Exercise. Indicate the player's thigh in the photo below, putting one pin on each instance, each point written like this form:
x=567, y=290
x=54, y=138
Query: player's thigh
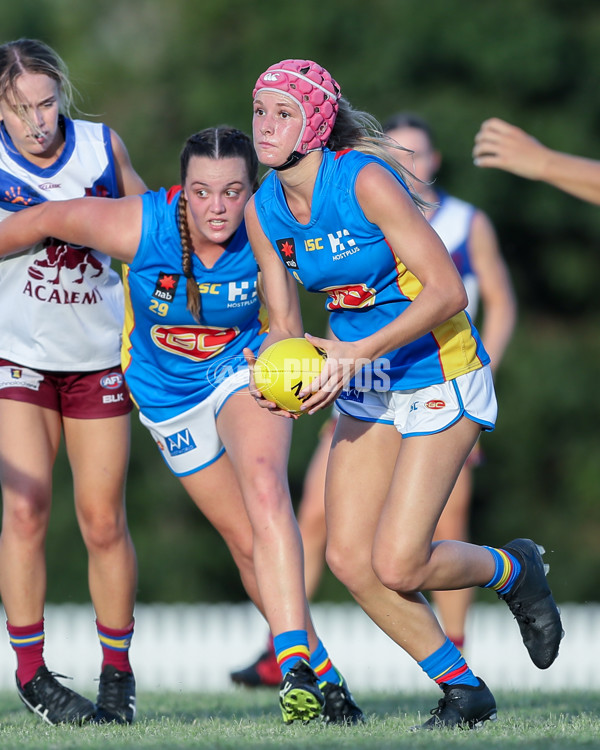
x=98, y=451
x=423, y=478
x=216, y=492
x=257, y=442
x=360, y=468
x=29, y=440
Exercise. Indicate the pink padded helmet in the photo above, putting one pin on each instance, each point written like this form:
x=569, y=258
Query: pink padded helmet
x=314, y=89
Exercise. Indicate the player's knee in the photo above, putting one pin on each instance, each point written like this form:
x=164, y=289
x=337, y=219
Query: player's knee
x=398, y=573
x=102, y=530
x=348, y=566
x=26, y=517
x=267, y=499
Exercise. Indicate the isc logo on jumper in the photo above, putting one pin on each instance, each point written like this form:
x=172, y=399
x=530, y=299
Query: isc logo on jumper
x=313, y=244
x=180, y=442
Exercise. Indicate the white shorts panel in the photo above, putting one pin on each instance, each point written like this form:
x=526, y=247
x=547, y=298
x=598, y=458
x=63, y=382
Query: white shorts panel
x=423, y=411
x=190, y=441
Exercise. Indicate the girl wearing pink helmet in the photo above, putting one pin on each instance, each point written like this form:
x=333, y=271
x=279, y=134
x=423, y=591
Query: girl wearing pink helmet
x=406, y=368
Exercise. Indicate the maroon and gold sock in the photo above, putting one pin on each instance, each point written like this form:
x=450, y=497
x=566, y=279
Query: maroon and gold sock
x=115, y=644
x=28, y=643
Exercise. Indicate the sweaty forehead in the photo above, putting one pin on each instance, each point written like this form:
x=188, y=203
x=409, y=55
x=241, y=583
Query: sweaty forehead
x=217, y=173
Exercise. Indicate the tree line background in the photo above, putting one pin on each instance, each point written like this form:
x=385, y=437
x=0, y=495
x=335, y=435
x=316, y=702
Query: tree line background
x=157, y=72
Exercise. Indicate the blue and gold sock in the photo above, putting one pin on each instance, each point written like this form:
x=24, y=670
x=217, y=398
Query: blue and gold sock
x=324, y=669
x=447, y=665
x=290, y=647
x=506, y=573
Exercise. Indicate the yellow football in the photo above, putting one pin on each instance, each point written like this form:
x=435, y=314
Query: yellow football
x=285, y=368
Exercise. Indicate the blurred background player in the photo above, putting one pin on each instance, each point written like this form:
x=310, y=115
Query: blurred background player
x=471, y=240
x=62, y=315
x=500, y=145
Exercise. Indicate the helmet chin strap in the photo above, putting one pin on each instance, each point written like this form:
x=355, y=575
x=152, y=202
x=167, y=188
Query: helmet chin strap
x=291, y=161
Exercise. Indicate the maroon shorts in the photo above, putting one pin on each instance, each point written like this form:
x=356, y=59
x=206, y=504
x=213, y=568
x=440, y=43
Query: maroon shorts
x=80, y=395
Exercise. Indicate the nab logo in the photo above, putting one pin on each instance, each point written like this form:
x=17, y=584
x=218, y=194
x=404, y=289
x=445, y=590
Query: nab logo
x=166, y=286
x=271, y=77
x=287, y=250
x=112, y=381
x=180, y=442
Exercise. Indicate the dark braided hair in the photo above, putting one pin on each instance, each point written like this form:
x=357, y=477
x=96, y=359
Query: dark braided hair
x=217, y=143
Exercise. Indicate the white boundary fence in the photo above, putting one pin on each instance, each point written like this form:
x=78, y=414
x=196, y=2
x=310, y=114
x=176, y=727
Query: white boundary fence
x=194, y=647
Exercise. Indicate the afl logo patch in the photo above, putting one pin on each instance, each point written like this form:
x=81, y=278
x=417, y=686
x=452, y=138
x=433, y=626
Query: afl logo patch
x=435, y=403
x=112, y=381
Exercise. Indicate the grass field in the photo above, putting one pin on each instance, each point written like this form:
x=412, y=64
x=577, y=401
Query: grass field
x=250, y=719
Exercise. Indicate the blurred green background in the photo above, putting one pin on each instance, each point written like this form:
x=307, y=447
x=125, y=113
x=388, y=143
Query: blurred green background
x=157, y=71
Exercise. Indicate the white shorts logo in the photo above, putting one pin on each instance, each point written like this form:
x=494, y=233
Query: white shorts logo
x=19, y=377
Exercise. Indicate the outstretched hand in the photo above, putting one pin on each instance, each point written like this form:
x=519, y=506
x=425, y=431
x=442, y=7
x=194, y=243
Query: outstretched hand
x=500, y=145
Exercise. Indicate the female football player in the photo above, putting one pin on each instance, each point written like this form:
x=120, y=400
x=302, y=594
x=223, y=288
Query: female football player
x=410, y=375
